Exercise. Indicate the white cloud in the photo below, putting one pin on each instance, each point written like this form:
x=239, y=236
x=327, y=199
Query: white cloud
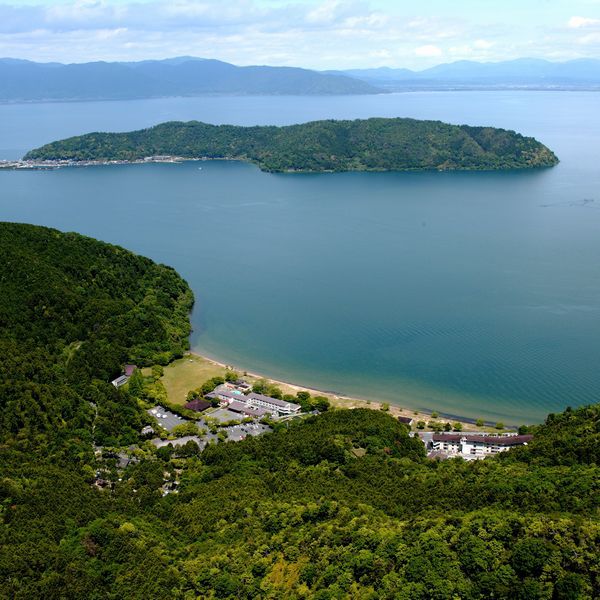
x=482, y=44
x=580, y=22
x=591, y=39
x=310, y=33
x=428, y=51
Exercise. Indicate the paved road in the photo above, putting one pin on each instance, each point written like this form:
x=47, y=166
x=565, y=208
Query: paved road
x=182, y=441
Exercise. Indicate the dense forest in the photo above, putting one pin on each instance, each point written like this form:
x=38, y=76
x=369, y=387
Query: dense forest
x=360, y=145
x=339, y=505
x=73, y=311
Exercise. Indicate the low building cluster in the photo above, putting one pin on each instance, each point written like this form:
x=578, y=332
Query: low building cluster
x=125, y=376
x=238, y=397
x=474, y=445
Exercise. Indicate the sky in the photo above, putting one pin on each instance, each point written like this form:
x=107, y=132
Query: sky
x=317, y=34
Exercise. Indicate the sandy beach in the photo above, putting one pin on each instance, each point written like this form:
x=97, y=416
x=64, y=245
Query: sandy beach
x=344, y=401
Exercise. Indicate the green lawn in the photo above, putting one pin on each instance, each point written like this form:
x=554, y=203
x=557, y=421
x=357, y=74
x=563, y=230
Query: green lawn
x=186, y=374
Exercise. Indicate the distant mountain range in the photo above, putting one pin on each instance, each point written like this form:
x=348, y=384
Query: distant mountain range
x=22, y=80
x=521, y=73
x=26, y=81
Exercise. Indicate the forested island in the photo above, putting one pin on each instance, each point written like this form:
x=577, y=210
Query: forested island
x=376, y=144
x=343, y=504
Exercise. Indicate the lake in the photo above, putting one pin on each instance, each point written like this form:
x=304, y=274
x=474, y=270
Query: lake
x=474, y=294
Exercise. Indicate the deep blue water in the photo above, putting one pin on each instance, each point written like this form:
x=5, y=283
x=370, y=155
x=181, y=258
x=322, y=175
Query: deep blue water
x=474, y=294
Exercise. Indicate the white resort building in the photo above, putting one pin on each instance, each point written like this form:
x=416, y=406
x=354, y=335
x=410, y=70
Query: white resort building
x=252, y=404
x=282, y=407
x=476, y=445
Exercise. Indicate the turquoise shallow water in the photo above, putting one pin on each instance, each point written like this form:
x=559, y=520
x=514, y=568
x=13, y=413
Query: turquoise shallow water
x=474, y=294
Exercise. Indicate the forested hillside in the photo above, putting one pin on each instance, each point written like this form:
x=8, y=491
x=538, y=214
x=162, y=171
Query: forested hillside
x=339, y=505
x=360, y=145
x=74, y=310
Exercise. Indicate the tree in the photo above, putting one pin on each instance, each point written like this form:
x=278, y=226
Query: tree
x=136, y=384
x=304, y=400
x=164, y=452
x=303, y=395
x=447, y=427
x=457, y=426
x=499, y=425
x=530, y=555
x=231, y=375
x=480, y=422
x=321, y=403
x=420, y=424
x=189, y=428
x=274, y=391
x=385, y=406
x=260, y=386
x=211, y=384
x=569, y=587
x=190, y=448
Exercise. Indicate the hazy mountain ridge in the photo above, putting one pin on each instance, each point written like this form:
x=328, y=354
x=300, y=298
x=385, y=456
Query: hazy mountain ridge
x=27, y=81
x=524, y=72
x=30, y=81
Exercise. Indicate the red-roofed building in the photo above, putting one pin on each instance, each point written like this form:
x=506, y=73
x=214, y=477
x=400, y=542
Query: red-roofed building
x=198, y=405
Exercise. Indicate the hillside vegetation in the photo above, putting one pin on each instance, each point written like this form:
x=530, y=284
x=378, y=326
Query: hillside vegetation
x=339, y=505
x=360, y=145
x=73, y=311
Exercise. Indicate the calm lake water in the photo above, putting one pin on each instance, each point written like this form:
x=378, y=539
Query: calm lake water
x=474, y=294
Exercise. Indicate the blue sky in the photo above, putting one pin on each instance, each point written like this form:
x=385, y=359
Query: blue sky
x=320, y=34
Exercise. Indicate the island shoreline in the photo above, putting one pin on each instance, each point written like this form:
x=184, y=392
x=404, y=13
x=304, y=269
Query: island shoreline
x=54, y=164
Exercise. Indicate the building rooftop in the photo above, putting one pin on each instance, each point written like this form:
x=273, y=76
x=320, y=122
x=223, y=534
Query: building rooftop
x=231, y=395
x=253, y=411
x=119, y=381
x=129, y=369
x=498, y=440
x=198, y=405
x=273, y=401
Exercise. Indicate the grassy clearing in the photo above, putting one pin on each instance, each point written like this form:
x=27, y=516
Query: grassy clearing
x=186, y=374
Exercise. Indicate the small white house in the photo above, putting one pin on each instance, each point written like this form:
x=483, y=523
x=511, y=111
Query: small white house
x=119, y=381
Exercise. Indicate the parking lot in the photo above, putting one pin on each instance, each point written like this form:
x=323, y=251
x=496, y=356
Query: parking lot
x=223, y=415
x=239, y=432
x=166, y=418
x=235, y=433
